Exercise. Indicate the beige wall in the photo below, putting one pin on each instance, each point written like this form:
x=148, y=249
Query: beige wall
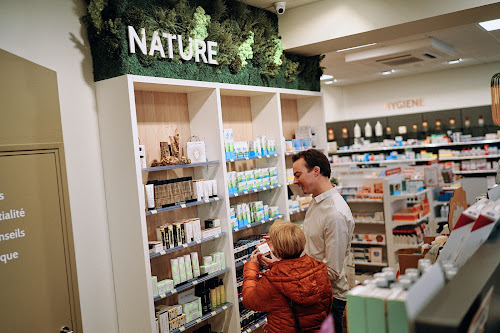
x=51, y=34
x=451, y=89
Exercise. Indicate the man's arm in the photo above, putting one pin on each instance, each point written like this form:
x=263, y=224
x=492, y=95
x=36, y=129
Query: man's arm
x=336, y=238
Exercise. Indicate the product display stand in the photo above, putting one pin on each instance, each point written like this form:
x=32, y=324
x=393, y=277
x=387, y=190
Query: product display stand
x=369, y=205
x=136, y=110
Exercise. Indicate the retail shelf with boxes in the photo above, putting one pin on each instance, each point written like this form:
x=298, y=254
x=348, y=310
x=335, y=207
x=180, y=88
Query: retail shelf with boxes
x=182, y=149
x=467, y=158
x=390, y=213
x=365, y=196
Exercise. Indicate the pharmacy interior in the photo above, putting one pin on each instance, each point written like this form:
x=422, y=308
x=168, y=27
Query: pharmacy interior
x=196, y=125
x=210, y=170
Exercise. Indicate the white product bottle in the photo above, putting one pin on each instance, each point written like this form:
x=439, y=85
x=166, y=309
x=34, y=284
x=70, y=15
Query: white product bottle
x=480, y=121
x=368, y=130
x=357, y=131
x=378, y=129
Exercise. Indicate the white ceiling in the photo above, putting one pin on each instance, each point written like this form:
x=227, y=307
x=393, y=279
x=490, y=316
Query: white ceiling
x=472, y=44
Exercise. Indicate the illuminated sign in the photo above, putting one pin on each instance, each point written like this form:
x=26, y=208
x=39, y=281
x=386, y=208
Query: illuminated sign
x=199, y=49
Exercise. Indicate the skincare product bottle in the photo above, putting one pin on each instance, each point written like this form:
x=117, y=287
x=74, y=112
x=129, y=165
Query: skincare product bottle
x=451, y=123
x=368, y=130
x=425, y=127
x=480, y=121
x=150, y=195
x=438, y=126
x=217, y=292
x=345, y=132
x=378, y=129
x=357, y=131
x=222, y=292
x=388, y=132
x=213, y=295
x=331, y=135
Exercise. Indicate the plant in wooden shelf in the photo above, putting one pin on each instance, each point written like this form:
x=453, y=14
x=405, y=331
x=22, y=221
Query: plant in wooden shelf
x=170, y=152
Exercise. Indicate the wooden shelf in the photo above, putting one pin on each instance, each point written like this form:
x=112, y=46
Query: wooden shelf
x=364, y=200
x=255, y=190
x=250, y=158
x=299, y=210
x=179, y=166
x=462, y=158
x=368, y=243
x=203, y=318
x=376, y=264
x=430, y=145
x=409, y=195
x=470, y=172
x=368, y=222
x=187, y=204
x=183, y=246
x=423, y=218
x=251, y=225
x=255, y=326
x=190, y=283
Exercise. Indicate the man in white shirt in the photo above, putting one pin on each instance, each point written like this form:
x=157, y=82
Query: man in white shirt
x=328, y=224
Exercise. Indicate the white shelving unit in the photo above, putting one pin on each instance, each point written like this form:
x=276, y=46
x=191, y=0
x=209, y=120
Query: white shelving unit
x=133, y=108
x=411, y=147
x=389, y=205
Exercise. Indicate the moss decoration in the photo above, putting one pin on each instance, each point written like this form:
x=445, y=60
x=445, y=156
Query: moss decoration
x=249, y=50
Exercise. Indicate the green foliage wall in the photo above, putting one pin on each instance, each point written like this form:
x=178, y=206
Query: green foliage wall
x=249, y=50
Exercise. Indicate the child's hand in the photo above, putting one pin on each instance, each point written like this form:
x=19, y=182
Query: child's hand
x=255, y=256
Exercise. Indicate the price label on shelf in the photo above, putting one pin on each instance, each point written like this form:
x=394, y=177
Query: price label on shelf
x=213, y=313
x=217, y=236
x=154, y=211
x=257, y=325
x=173, y=291
x=182, y=328
x=245, y=192
x=236, y=229
x=184, y=245
x=224, y=307
x=207, y=200
x=183, y=206
x=236, y=194
x=198, y=321
x=264, y=188
x=198, y=242
x=216, y=198
x=163, y=252
x=246, y=158
x=231, y=160
x=195, y=282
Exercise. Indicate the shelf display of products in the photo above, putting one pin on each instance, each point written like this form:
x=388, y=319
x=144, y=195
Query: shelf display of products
x=242, y=129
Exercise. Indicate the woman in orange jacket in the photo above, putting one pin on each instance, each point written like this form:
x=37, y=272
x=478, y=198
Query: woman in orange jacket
x=294, y=283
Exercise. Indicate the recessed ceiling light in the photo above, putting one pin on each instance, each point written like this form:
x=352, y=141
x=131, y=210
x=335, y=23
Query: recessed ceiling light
x=356, y=47
x=326, y=77
x=388, y=72
x=455, y=61
x=490, y=25
x=330, y=82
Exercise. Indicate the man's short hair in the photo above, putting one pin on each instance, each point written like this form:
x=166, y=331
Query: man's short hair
x=313, y=158
x=288, y=239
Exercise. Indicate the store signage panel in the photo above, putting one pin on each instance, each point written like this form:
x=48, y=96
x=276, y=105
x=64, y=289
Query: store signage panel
x=32, y=255
x=166, y=45
x=404, y=104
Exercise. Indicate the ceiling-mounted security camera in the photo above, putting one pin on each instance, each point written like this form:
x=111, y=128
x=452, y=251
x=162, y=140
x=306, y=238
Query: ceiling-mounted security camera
x=280, y=7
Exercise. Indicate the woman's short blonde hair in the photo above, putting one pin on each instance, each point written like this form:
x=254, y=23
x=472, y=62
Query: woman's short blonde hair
x=288, y=239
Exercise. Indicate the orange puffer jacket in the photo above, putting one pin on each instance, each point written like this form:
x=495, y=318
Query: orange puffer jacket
x=303, y=280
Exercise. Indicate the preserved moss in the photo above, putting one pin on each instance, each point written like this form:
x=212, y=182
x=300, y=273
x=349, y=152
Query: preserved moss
x=249, y=50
